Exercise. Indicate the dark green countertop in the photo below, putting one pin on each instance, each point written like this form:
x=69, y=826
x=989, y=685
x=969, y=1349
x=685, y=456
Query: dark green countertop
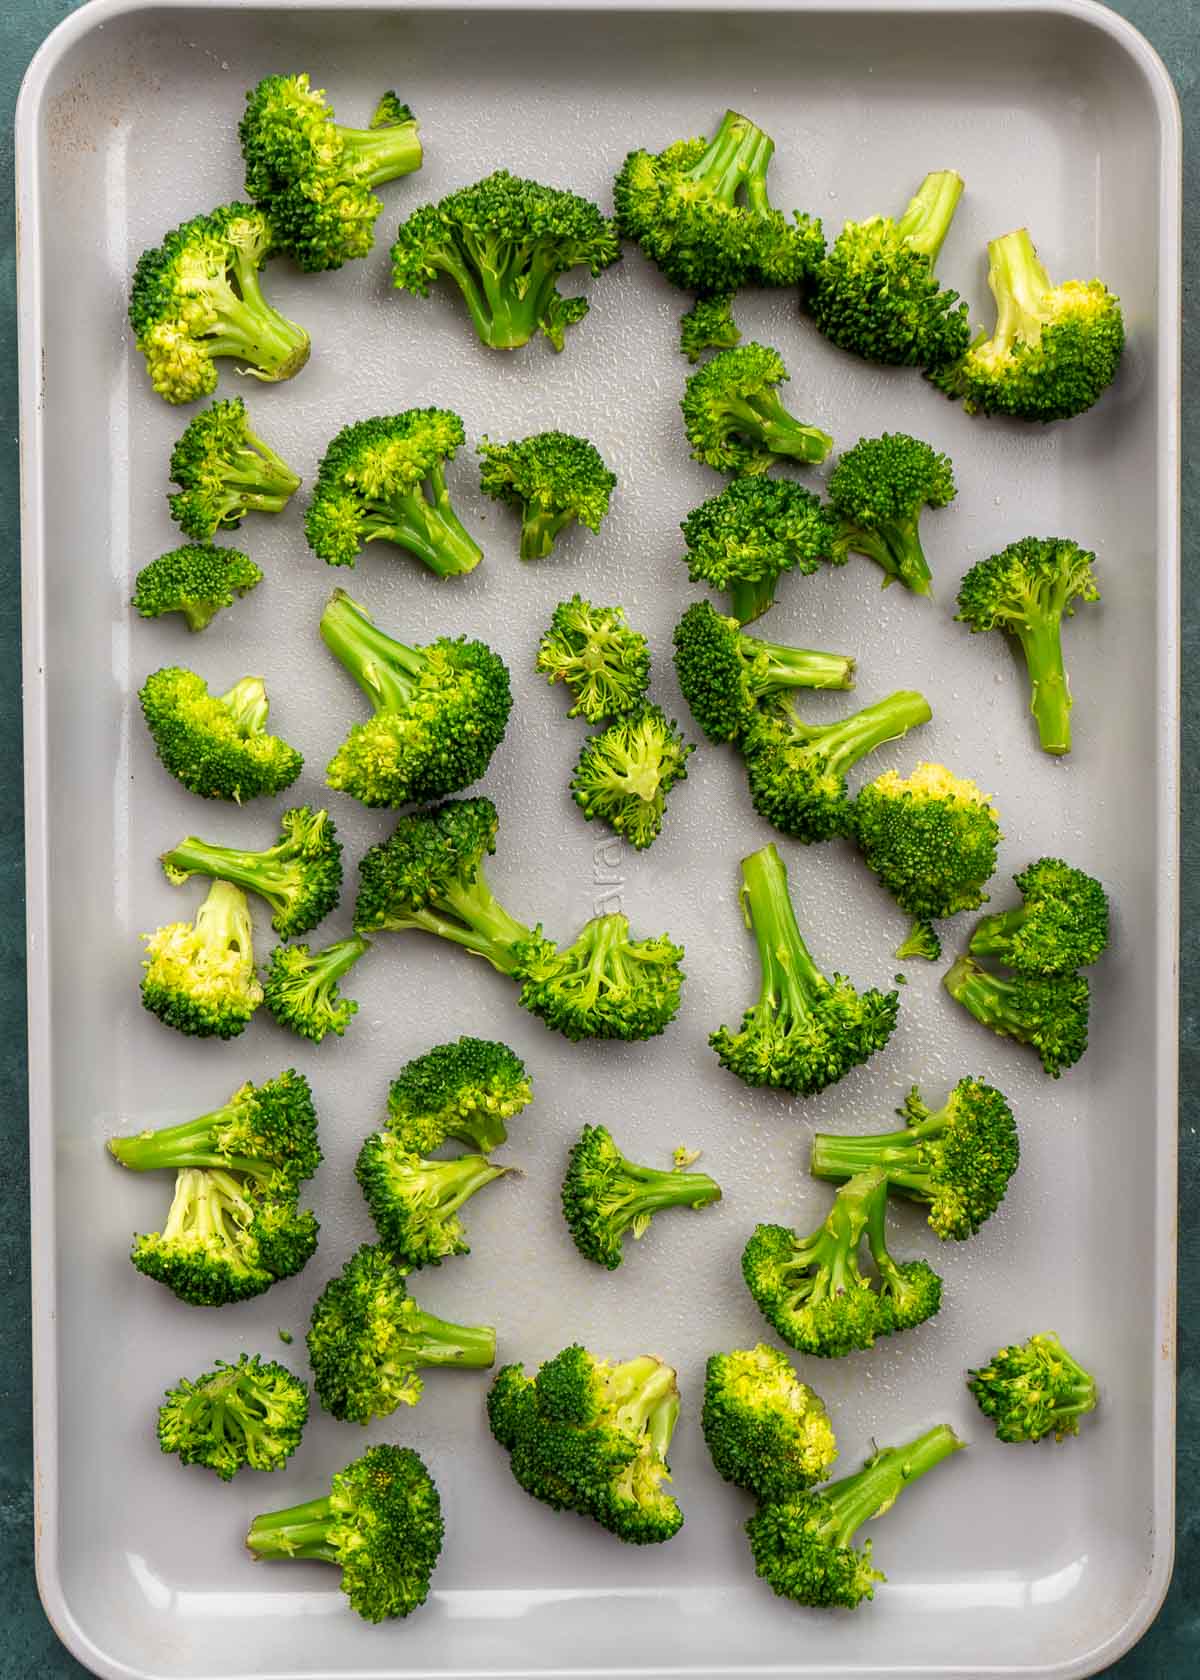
x=28, y=1647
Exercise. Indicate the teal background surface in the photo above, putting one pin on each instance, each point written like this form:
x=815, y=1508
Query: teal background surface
x=29, y=1649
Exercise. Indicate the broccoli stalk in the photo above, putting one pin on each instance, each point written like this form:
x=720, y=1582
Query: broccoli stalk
x=604, y=1195
x=300, y=877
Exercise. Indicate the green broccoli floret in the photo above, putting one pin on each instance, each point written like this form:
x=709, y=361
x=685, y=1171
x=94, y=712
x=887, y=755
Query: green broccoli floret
x=368, y=1339
x=381, y=1524
x=552, y=479
x=876, y=293
x=803, y=1546
x=505, y=243
x=200, y=976
x=878, y=490
x=300, y=876
x=1034, y=1389
x=415, y=1203
x=735, y=420
x=196, y=580
x=252, y=1412
x=727, y=675
x=384, y=480
x=463, y=1091
x=956, y=1160
x=300, y=987
x=314, y=176
x=604, y=664
x=931, y=838
x=440, y=710
x=797, y=771
x=225, y=472
x=625, y=773
x=217, y=746
x=1051, y=1015
x=745, y=539
x=708, y=325
x=700, y=211
x=1054, y=349
x=604, y=1195
x=1062, y=924
x=196, y=297
x=805, y=1032
x=766, y=1431
x=1027, y=590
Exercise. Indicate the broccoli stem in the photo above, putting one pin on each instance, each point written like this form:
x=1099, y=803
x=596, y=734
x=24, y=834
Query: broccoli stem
x=383, y=153
x=436, y=1341
x=896, y=550
x=539, y=528
x=926, y=222
x=517, y=289
x=248, y=706
x=424, y=522
x=987, y=996
x=256, y=872
x=898, y=1153
x=248, y=328
x=187, y=1145
x=652, y=1189
x=992, y=934
x=326, y=968
x=1019, y=285
x=738, y=155
x=298, y=1531
x=774, y=665
x=1050, y=700
x=386, y=670
x=451, y=1183
x=791, y=981
x=872, y=1490
x=266, y=480
x=763, y=418
x=645, y=1396
x=844, y=743
x=825, y=1264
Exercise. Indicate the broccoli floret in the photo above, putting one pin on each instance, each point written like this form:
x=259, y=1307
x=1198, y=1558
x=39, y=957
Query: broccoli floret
x=604, y=664
x=1027, y=590
x=956, y=1160
x=381, y=1524
x=1054, y=349
x=876, y=293
x=300, y=987
x=797, y=771
x=368, y=1339
x=314, y=176
x=196, y=297
x=1051, y=1015
x=931, y=838
x=384, y=480
x=766, y=1431
x=225, y=472
x=1034, y=1389
x=745, y=539
x=196, y=580
x=878, y=490
x=463, y=1091
x=252, y=1412
x=1062, y=924
x=300, y=876
x=415, y=1203
x=735, y=420
x=551, y=479
x=440, y=710
x=505, y=243
x=217, y=746
x=625, y=773
x=700, y=211
x=200, y=976
x=726, y=675
x=708, y=325
x=805, y=1032
x=803, y=1546
x=604, y=1195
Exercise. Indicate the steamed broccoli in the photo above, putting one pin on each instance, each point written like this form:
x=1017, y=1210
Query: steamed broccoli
x=708, y=325
x=440, y=710
x=383, y=480
x=217, y=746
x=876, y=294
x=505, y=243
x=1062, y=923
x=931, y=838
x=224, y=472
x=463, y=1091
x=625, y=773
x=803, y=1546
x=300, y=876
x=1054, y=349
x=734, y=419
x=604, y=664
x=200, y=975
x=552, y=479
x=265, y=1133
x=1051, y=1015
x=1027, y=590
x=1034, y=1389
x=745, y=539
x=878, y=490
x=956, y=1160
x=314, y=176
x=252, y=1412
x=300, y=987
x=604, y=1195
x=700, y=211
x=415, y=1203
x=368, y=1339
x=766, y=1431
x=196, y=297
x=805, y=1032
x=381, y=1524
x=196, y=580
